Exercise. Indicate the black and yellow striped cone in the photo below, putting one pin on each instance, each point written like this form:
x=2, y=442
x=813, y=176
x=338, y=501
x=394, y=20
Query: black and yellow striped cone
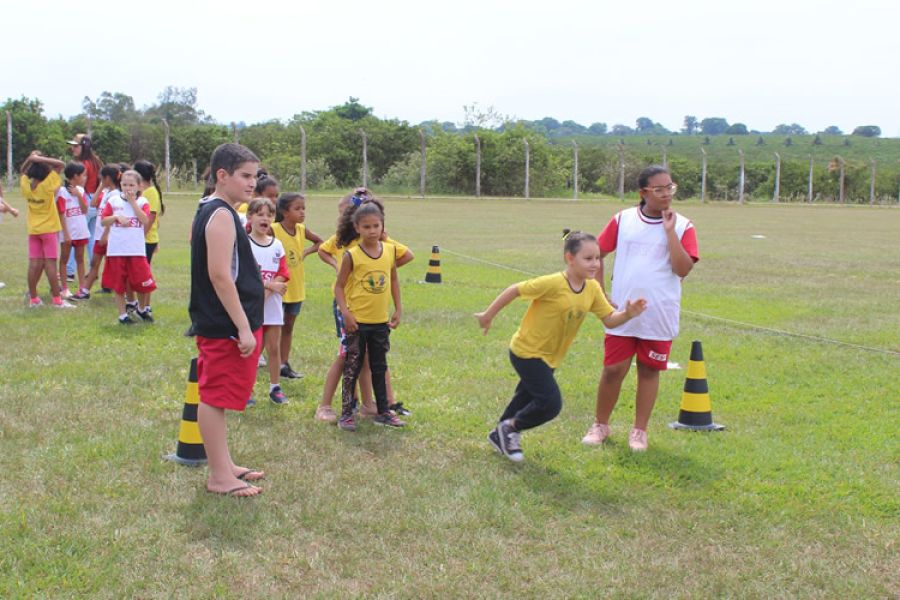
x=434, y=266
x=696, y=408
x=190, y=451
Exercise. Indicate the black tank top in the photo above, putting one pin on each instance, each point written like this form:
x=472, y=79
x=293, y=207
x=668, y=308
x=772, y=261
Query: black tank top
x=208, y=315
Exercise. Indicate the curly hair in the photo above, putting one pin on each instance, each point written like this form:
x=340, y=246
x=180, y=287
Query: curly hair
x=346, y=232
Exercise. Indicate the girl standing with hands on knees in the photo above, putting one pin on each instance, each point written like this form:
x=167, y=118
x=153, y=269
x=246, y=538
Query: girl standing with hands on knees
x=559, y=303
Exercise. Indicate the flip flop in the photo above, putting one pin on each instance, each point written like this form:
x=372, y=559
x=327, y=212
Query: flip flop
x=232, y=492
x=245, y=476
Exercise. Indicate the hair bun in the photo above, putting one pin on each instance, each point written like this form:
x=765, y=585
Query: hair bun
x=566, y=233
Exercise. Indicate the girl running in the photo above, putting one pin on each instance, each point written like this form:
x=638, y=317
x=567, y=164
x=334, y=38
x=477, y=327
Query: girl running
x=559, y=303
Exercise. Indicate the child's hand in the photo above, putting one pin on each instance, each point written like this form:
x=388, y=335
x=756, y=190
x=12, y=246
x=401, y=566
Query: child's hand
x=123, y=220
x=668, y=216
x=395, y=320
x=67, y=239
x=633, y=309
x=350, y=322
x=484, y=321
x=246, y=343
x=279, y=287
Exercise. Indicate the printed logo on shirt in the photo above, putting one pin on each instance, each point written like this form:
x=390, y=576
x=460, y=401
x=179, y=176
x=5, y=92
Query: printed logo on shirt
x=292, y=258
x=73, y=212
x=657, y=356
x=374, y=282
x=575, y=315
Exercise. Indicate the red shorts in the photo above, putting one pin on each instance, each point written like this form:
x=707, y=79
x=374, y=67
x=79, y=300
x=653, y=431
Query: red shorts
x=651, y=353
x=100, y=248
x=79, y=243
x=225, y=380
x=43, y=245
x=134, y=270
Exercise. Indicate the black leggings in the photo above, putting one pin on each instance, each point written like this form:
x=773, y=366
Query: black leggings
x=537, y=398
x=374, y=339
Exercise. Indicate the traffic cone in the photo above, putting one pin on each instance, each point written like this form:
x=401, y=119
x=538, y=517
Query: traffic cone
x=696, y=409
x=434, y=266
x=190, y=451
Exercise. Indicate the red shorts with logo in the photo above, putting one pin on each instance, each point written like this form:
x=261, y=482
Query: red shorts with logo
x=652, y=353
x=224, y=378
x=134, y=270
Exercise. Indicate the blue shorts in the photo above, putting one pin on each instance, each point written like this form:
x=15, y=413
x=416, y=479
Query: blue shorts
x=292, y=308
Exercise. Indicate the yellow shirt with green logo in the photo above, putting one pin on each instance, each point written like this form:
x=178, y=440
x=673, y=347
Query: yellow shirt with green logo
x=330, y=247
x=152, y=196
x=293, y=249
x=368, y=288
x=43, y=216
x=554, y=316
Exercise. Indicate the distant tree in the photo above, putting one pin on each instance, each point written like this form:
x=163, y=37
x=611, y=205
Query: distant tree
x=643, y=124
x=788, y=141
x=690, y=125
x=113, y=107
x=833, y=130
x=475, y=117
x=737, y=129
x=620, y=130
x=817, y=141
x=597, y=129
x=178, y=106
x=760, y=141
x=792, y=129
x=713, y=126
x=572, y=128
x=867, y=131
x=352, y=110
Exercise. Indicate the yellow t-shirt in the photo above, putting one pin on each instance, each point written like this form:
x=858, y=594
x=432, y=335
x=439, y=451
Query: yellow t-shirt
x=152, y=196
x=242, y=208
x=554, y=316
x=293, y=249
x=368, y=288
x=330, y=247
x=43, y=217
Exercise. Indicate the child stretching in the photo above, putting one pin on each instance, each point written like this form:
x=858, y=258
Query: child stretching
x=330, y=252
x=269, y=255
x=109, y=178
x=5, y=208
x=40, y=180
x=558, y=305
x=226, y=309
x=126, y=260
x=71, y=203
x=368, y=274
x=290, y=230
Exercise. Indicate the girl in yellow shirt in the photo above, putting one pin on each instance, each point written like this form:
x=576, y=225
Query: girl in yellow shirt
x=559, y=303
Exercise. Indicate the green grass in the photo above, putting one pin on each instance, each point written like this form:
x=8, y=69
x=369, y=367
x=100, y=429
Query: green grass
x=797, y=498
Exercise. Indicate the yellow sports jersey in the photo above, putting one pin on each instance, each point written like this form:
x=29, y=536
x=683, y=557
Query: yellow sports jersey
x=152, y=196
x=330, y=247
x=554, y=316
x=43, y=216
x=242, y=208
x=293, y=249
x=368, y=288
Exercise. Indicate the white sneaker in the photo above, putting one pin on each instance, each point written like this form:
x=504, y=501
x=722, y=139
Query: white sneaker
x=65, y=294
x=262, y=361
x=596, y=435
x=63, y=304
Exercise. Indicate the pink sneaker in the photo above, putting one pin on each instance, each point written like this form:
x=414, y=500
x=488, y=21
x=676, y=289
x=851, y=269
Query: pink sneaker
x=596, y=434
x=637, y=440
x=326, y=414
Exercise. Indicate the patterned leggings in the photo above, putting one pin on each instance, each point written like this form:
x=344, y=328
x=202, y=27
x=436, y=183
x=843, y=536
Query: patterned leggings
x=374, y=339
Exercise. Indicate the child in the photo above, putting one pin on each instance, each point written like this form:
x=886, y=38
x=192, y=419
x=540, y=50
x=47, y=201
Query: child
x=266, y=187
x=39, y=182
x=559, y=303
x=72, y=205
x=270, y=256
x=127, y=214
x=151, y=191
x=291, y=232
x=109, y=177
x=83, y=153
x=5, y=208
x=330, y=252
x=226, y=309
x=655, y=248
x=368, y=274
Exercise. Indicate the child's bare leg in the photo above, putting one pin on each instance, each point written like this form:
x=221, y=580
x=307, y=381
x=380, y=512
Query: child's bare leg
x=52, y=276
x=120, y=303
x=272, y=340
x=144, y=299
x=94, y=273
x=222, y=470
x=79, y=266
x=65, y=249
x=365, y=387
x=35, y=268
x=287, y=335
x=332, y=378
x=388, y=387
x=608, y=391
x=647, y=389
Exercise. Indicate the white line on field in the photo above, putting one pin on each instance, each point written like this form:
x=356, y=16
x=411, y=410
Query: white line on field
x=703, y=315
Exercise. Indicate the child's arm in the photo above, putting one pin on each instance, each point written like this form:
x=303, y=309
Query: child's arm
x=339, y=297
x=682, y=263
x=82, y=201
x=406, y=258
x=5, y=207
x=316, y=242
x=61, y=209
x=506, y=296
x=35, y=156
x=220, y=246
x=395, y=294
x=142, y=217
x=276, y=284
x=632, y=309
x=327, y=258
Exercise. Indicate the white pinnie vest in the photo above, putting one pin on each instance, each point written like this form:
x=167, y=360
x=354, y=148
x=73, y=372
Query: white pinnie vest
x=126, y=240
x=76, y=222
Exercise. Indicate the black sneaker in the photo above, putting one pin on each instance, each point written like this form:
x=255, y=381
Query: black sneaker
x=399, y=409
x=104, y=290
x=287, y=371
x=131, y=310
x=509, y=442
x=494, y=439
x=388, y=419
x=277, y=396
x=145, y=315
x=125, y=321
x=82, y=295
x=347, y=423
x=70, y=276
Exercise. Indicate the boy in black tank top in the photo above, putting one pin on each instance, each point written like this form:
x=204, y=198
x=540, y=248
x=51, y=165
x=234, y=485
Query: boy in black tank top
x=226, y=309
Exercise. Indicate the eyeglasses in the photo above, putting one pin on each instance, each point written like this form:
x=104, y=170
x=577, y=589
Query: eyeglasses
x=662, y=189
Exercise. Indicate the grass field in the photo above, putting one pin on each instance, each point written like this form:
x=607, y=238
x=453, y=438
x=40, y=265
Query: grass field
x=798, y=498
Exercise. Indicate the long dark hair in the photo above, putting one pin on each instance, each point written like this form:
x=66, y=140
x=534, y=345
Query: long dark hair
x=346, y=232
x=645, y=175
x=147, y=170
x=88, y=156
x=284, y=202
x=113, y=171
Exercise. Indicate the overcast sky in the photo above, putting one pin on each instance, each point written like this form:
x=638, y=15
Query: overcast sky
x=761, y=62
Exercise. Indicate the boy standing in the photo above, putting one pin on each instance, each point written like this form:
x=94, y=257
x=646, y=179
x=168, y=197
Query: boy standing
x=226, y=309
x=655, y=248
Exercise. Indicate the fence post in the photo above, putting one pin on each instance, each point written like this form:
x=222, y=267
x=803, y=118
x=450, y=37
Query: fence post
x=234, y=133
x=703, y=177
x=527, y=165
x=365, y=157
x=194, y=171
x=9, y=153
x=90, y=128
x=302, y=160
x=809, y=193
x=477, y=167
x=741, y=190
x=423, y=164
x=665, y=158
x=167, y=161
x=872, y=184
x=841, y=190
x=777, y=177
x=621, y=172
x=575, y=172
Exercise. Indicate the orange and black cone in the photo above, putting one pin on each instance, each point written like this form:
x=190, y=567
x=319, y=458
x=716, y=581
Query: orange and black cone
x=190, y=451
x=696, y=408
x=434, y=266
